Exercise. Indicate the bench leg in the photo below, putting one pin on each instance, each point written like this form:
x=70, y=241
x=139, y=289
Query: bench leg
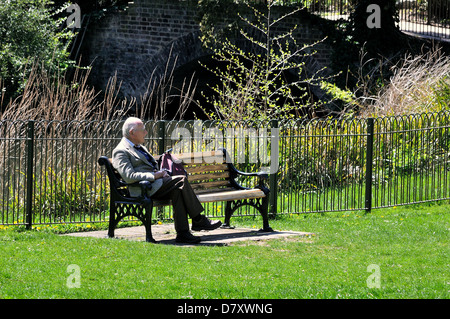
x=112, y=220
x=148, y=223
x=145, y=218
x=228, y=212
x=264, y=210
x=262, y=205
x=111, y=229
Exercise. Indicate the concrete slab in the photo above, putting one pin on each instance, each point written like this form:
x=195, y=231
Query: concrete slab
x=165, y=234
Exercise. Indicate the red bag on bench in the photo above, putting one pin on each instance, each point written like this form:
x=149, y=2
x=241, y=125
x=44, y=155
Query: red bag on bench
x=171, y=164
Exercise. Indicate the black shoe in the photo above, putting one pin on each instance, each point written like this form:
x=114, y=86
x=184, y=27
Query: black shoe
x=187, y=238
x=205, y=224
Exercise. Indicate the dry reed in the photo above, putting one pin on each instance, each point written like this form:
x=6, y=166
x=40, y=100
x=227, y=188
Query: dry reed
x=419, y=84
x=53, y=97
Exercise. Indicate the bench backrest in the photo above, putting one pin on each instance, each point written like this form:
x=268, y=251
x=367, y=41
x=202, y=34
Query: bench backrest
x=115, y=180
x=207, y=171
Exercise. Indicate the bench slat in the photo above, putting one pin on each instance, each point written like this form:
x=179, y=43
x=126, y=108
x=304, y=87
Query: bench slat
x=193, y=169
x=208, y=176
x=208, y=185
x=231, y=195
x=213, y=190
x=218, y=195
x=197, y=158
x=201, y=157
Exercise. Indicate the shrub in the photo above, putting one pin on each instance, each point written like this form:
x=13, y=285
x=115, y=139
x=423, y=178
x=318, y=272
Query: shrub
x=29, y=30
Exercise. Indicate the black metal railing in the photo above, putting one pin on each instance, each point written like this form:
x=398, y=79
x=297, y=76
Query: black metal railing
x=49, y=172
x=364, y=164
x=429, y=18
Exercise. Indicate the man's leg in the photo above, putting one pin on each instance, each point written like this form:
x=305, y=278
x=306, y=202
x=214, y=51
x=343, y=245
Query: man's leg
x=188, y=202
x=184, y=200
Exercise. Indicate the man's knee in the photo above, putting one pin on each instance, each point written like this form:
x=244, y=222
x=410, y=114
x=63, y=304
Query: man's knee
x=181, y=179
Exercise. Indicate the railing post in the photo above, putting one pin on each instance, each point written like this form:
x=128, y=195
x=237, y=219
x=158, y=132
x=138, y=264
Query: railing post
x=273, y=177
x=29, y=174
x=161, y=137
x=161, y=150
x=369, y=160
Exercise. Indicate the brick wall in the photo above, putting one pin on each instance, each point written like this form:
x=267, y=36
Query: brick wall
x=137, y=43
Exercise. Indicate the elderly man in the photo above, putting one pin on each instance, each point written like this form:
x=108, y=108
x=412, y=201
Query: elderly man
x=134, y=163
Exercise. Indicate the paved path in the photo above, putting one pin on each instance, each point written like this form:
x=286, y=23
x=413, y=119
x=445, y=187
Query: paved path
x=165, y=234
x=423, y=30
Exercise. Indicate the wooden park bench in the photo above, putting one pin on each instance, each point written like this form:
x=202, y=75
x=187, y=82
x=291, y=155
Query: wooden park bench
x=213, y=179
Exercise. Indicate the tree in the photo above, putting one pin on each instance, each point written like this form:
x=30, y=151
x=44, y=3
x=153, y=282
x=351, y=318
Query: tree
x=383, y=37
x=29, y=32
x=263, y=82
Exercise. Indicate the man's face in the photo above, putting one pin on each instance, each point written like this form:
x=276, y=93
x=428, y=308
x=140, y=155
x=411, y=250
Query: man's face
x=137, y=135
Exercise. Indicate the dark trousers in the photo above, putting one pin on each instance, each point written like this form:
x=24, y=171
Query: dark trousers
x=184, y=201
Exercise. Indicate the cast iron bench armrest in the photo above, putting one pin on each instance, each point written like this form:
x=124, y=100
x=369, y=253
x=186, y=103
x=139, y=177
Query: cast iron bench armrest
x=234, y=173
x=262, y=177
x=119, y=183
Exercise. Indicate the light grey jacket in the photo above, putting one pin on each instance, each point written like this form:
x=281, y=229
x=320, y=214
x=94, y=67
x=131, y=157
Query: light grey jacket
x=134, y=167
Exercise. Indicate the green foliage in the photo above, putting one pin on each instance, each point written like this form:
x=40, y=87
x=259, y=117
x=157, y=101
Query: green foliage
x=59, y=195
x=217, y=19
x=322, y=154
x=332, y=153
x=29, y=32
x=442, y=94
x=344, y=97
x=67, y=195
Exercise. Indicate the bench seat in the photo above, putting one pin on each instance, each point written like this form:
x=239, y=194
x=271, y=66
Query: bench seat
x=231, y=195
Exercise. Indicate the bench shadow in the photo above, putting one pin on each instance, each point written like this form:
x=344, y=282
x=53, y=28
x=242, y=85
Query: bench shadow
x=223, y=239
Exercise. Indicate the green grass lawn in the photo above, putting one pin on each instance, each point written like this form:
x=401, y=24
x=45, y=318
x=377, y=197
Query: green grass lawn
x=408, y=247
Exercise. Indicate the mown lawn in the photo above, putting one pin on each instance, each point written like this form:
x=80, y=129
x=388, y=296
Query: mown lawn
x=407, y=249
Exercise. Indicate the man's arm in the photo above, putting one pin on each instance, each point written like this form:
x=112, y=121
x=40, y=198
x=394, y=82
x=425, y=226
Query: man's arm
x=121, y=162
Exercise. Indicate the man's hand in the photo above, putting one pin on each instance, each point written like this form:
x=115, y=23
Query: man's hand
x=160, y=174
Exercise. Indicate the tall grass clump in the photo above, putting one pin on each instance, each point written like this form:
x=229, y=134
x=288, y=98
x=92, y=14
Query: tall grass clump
x=73, y=124
x=68, y=96
x=52, y=97
x=420, y=84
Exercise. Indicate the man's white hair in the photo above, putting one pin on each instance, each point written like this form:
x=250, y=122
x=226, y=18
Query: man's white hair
x=130, y=124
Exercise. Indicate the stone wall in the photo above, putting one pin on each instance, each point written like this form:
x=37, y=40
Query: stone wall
x=137, y=43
